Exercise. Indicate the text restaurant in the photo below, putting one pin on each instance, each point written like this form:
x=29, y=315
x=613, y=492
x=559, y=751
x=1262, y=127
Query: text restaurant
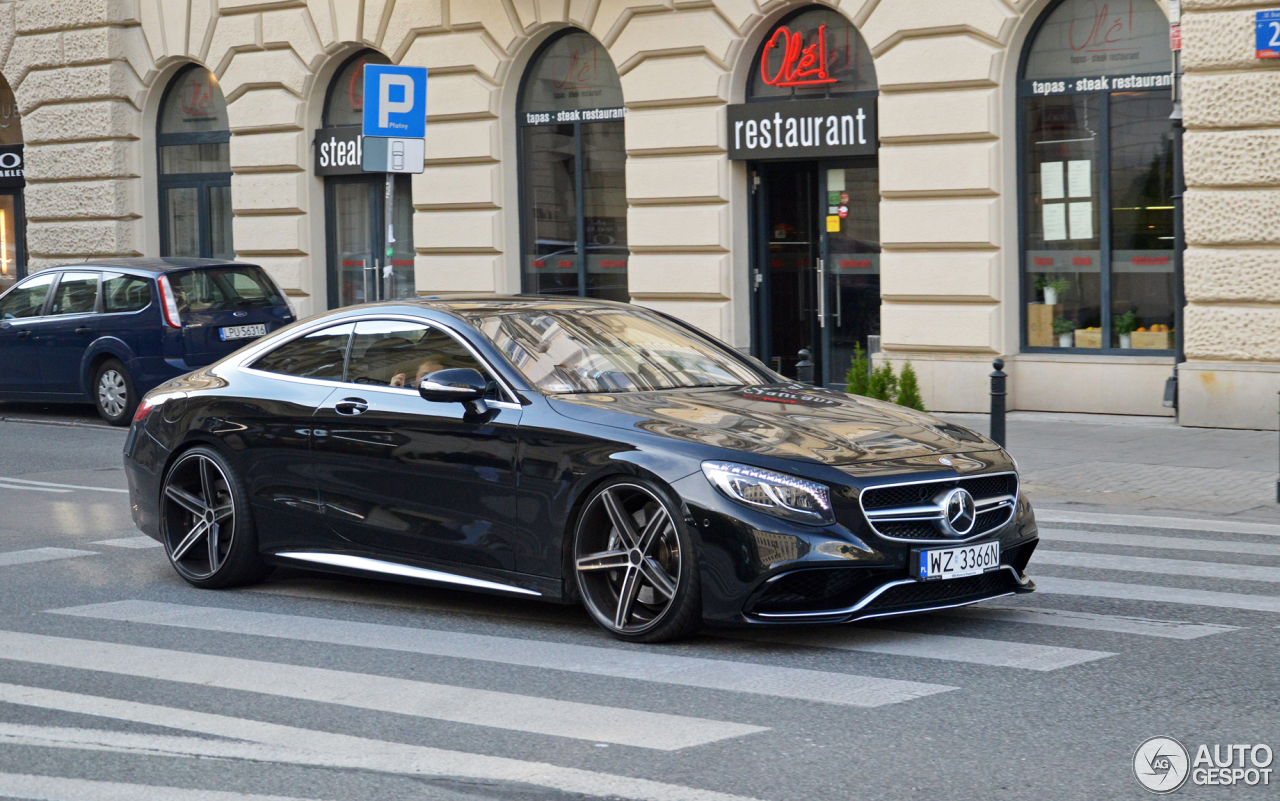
x=807, y=130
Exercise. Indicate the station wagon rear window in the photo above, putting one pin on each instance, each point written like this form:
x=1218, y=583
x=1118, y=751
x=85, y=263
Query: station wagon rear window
x=229, y=288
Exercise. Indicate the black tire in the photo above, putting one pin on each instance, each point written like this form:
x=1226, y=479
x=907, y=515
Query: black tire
x=114, y=393
x=629, y=540
x=211, y=545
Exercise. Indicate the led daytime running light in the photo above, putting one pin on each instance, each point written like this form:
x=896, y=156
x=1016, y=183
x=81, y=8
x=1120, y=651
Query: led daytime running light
x=777, y=494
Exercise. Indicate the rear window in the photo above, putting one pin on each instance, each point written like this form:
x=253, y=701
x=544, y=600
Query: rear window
x=229, y=288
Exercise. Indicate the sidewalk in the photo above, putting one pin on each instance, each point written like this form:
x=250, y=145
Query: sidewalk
x=1148, y=465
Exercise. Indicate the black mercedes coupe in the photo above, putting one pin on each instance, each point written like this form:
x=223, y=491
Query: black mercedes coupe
x=572, y=451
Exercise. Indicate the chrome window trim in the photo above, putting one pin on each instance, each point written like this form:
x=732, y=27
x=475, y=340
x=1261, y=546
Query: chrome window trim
x=253, y=352
x=876, y=593
x=987, y=505
x=396, y=569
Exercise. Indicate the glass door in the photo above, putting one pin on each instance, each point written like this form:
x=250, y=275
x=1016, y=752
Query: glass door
x=849, y=196
x=366, y=262
x=785, y=277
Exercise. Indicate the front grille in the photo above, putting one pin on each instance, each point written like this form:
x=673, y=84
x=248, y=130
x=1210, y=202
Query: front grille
x=819, y=589
x=924, y=593
x=883, y=502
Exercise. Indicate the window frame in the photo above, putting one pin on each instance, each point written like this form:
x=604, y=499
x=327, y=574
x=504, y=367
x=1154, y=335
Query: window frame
x=1105, y=249
x=201, y=181
x=580, y=205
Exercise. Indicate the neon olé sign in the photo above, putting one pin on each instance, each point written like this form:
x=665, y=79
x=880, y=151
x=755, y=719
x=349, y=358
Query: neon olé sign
x=801, y=66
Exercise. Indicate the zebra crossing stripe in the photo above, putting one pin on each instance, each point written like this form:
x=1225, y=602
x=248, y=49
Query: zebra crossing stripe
x=714, y=674
x=56, y=788
x=996, y=653
x=40, y=555
x=1049, y=535
x=1052, y=585
x=1167, y=567
x=500, y=710
x=271, y=742
x=131, y=542
x=1173, y=630
x=1172, y=523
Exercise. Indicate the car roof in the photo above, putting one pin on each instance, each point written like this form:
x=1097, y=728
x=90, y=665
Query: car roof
x=153, y=264
x=466, y=305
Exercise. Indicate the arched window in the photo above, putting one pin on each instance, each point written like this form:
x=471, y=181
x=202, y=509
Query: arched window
x=360, y=268
x=814, y=54
x=1096, y=173
x=573, y=193
x=193, y=138
x=12, y=226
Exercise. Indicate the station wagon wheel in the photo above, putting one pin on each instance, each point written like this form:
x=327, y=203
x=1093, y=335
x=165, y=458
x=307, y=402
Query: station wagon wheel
x=207, y=528
x=635, y=565
x=113, y=393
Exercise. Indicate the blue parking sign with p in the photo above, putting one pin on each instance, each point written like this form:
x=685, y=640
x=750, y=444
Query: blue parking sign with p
x=395, y=101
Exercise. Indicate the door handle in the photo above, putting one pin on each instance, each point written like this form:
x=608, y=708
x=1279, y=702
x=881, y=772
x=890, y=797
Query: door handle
x=822, y=294
x=23, y=334
x=84, y=329
x=351, y=406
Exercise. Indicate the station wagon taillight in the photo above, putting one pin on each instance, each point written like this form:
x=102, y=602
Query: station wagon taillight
x=169, y=303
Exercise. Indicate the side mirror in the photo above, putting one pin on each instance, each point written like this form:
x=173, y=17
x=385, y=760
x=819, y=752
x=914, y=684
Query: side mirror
x=460, y=385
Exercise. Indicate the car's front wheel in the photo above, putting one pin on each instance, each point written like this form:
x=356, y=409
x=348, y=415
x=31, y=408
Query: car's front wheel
x=114, y=393
x=635, y=564
x=205, y=521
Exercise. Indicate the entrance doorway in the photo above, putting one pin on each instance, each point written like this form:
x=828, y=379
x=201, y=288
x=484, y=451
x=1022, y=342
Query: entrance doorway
x=815, y=263
x=361, y=271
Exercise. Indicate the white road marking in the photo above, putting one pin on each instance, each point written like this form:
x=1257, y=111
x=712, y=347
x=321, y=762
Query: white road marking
x=131, y=542
x=10, y=558
x=59, y=487
x=713, y=674
x=1173, y=630
x=1149, y=541
x=1051, y=585
x=379, y=693
x=7, y=485
x=996, y=653
x=56, y=788
x=1166, y=567
x=1142, y=521
x=270, y=742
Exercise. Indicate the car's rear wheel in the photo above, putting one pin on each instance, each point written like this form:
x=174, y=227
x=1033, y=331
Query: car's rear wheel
x=206, y=524
x=114, y=393
x=635, y=564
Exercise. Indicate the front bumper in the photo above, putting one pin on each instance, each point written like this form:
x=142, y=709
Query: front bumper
x=759, y=570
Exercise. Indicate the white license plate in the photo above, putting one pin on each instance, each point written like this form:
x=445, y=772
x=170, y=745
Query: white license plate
x=243, y=331
x=958, y=562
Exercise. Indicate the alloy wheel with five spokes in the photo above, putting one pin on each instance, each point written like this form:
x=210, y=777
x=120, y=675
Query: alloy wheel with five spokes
x=199, y=516
x=629, y=561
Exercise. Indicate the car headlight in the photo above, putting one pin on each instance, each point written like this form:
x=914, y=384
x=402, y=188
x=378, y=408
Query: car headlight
x=776, y=494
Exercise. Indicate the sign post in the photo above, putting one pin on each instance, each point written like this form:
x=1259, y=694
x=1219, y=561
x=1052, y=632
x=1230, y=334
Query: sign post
x=394, y=128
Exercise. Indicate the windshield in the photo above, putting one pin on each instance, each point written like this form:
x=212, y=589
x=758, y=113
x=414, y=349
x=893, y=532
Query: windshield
x=568, y=350
x=215, y=289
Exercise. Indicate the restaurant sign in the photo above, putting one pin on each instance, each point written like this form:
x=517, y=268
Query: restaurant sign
x=803, y=129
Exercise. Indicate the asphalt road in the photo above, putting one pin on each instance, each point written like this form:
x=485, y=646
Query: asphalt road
x=117, y=680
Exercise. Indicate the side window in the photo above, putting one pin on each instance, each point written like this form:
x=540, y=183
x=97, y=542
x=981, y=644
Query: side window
x=125, y=293
x=27, y=299
x=392, y=353
x=77, y=293
x=317, y=355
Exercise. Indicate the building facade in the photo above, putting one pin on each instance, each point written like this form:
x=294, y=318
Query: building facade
x=963, y=180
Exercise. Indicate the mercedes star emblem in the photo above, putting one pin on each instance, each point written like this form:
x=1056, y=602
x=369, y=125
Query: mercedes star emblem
x=959, y=512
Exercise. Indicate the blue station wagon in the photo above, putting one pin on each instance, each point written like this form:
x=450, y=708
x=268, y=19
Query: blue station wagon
x=108, y=331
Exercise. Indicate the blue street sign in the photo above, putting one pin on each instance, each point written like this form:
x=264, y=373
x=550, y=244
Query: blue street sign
x=1267, y=30
x=395, y=101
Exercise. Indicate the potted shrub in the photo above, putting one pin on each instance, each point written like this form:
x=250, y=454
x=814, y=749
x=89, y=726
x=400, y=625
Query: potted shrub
x=1064, y=328
x=1052, y=288
x=1124, y=325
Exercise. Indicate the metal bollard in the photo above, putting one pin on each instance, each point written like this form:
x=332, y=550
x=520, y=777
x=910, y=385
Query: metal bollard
x=804, y=367
x=997, y=402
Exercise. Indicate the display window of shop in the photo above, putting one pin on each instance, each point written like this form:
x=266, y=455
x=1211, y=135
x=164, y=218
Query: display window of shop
x=366, y=260
x=808, y=131
x=573, y=191
x=193, y=140
x=1096, y=169
x=12, y=222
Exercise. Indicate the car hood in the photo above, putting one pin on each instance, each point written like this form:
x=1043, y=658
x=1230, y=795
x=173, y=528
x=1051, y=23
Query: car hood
x=790, y=421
